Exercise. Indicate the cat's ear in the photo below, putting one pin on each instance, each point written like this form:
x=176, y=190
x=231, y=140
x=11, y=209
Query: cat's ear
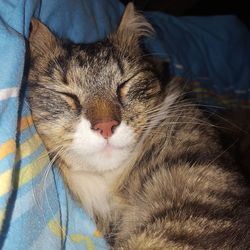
x=132, y=28
x=41, y=39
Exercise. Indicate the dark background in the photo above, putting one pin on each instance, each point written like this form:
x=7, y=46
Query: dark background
x=197, y=7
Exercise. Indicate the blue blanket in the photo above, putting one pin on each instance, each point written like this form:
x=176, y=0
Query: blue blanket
x=36, y=211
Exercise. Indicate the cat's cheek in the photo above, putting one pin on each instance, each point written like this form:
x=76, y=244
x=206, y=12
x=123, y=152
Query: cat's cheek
x=85, y=141
x=123, y=137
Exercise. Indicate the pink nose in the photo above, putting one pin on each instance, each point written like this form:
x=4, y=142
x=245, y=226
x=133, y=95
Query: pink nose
x=106, y=128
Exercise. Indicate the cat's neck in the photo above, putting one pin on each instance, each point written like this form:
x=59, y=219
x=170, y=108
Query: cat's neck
x=94, y=189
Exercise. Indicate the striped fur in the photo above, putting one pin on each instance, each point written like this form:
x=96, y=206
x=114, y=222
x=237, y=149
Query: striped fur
x=176, y=188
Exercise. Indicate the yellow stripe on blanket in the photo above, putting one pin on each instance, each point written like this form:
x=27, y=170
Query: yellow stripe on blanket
x=25, y=122
x=7, y=148
x=78, y=238
x=26, y=173
x=5, y=182
x=58, y=230
x=10, y=146
x=2, y=213
x=25, y=149
x=28, y=147
x=33, y=169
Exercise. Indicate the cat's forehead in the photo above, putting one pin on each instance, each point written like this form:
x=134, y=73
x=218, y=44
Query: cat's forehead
x=102, y=55
x=97, y=62
x=101, y=48
x=92, y=68
x=81, y=67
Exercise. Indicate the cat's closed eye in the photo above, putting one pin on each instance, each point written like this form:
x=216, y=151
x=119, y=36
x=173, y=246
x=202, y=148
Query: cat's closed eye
x=123, y=88
x=72, y=100
x=122, y=91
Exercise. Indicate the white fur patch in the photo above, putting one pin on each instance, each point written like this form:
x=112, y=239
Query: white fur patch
x=92, y=190
x=91, y=152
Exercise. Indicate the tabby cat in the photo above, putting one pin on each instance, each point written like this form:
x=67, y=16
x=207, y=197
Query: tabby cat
x=141, y=159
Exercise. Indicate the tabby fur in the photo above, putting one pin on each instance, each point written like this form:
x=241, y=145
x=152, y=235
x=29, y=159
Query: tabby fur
x=173, y=186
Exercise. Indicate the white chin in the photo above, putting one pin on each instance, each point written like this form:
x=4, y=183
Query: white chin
x=107, y=159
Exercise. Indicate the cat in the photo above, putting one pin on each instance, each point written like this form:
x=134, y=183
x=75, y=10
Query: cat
x=140, y=158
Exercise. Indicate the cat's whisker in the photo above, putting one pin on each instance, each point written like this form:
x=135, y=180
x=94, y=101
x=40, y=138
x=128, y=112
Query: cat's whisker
x=179, y=107
x=43, y=178
x=153, y=54
x=145, y=128
x=49, y=152
x=223, y=152
x=233, y=125
x=173, y=117
x=49, y=166
x=60, y=151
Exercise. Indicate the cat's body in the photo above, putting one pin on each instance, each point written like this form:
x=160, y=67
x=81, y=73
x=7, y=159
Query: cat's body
x=141, y=160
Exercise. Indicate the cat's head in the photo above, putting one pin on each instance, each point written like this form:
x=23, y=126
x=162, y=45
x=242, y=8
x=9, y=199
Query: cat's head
x=91, y=103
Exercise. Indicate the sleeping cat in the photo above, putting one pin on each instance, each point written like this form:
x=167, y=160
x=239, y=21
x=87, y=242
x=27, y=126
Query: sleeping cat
x=141, y=159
